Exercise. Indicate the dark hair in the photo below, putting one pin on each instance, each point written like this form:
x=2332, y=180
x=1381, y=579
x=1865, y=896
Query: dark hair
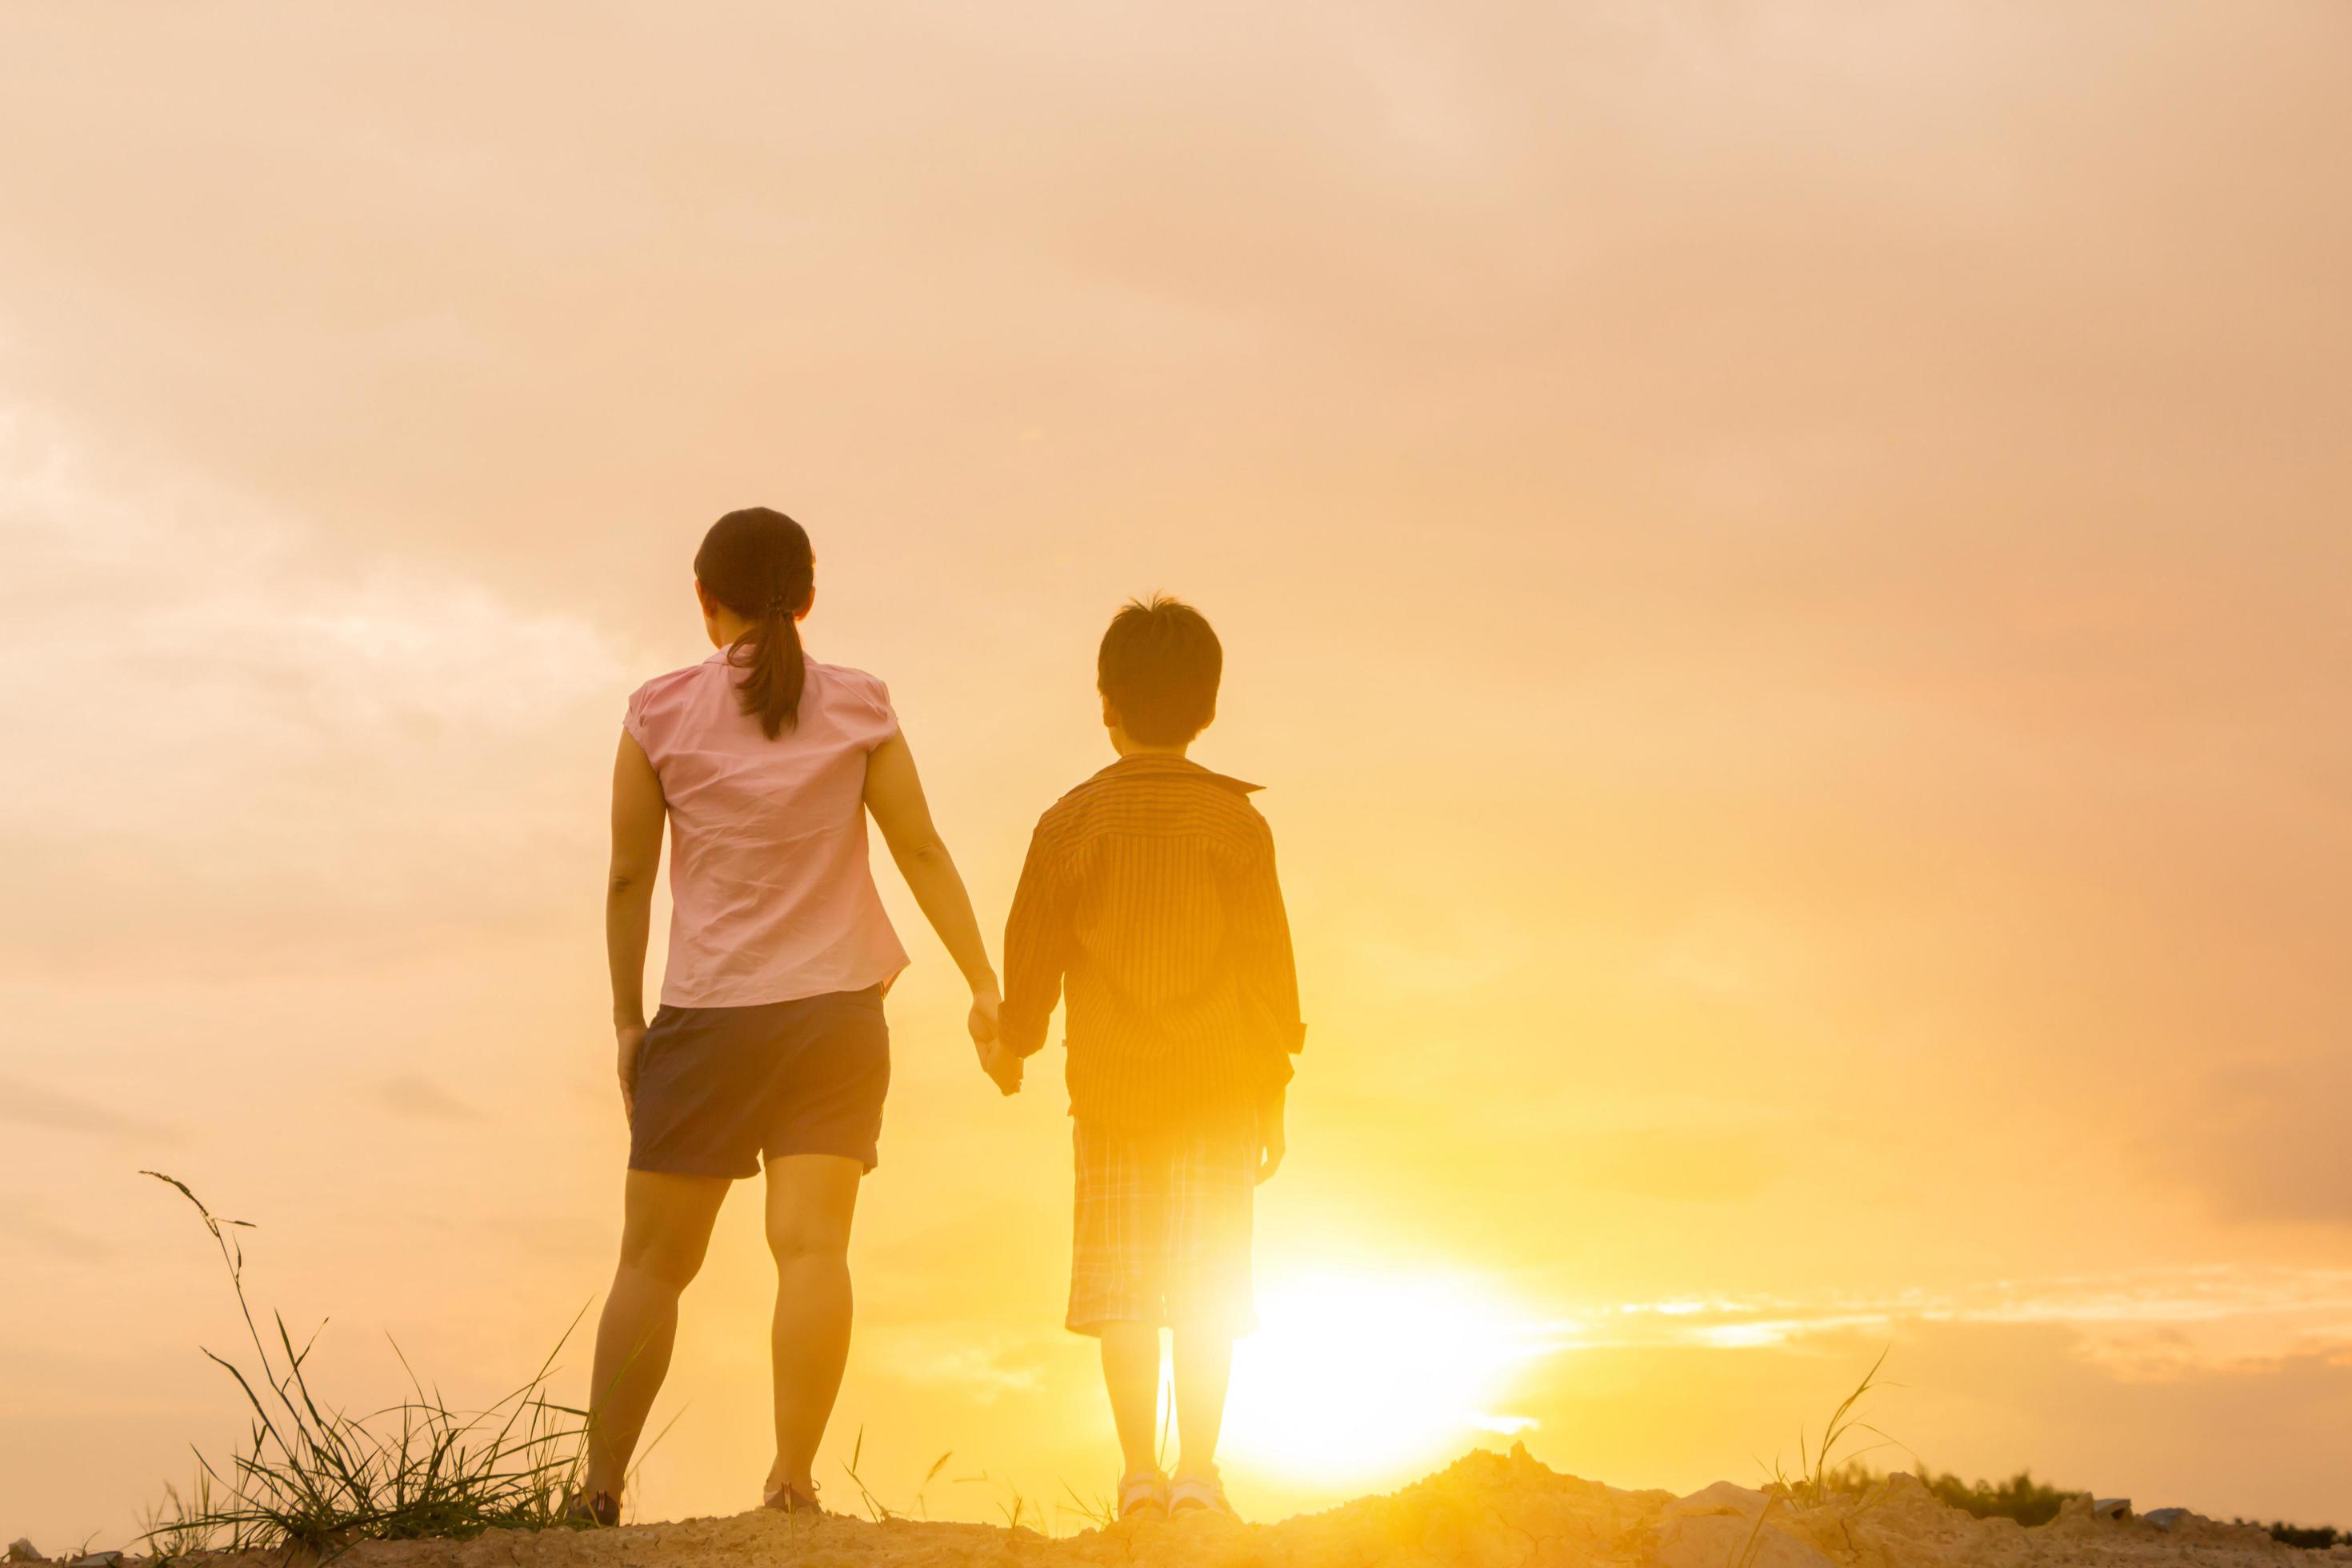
x=759, y=564
x=1159, y=666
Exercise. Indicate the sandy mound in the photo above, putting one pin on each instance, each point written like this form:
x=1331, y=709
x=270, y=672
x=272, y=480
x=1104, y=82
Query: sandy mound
x=1487, y=1510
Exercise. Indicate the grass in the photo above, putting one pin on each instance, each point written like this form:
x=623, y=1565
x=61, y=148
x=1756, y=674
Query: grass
x=923, y=1493
x=313, y=1477
x=2021, y=1497
x=2031, y=1502
x=875, y=1507
x=1819, y=1474
x=170, y=1530
x=1097, y=1509
x=2309, y=1537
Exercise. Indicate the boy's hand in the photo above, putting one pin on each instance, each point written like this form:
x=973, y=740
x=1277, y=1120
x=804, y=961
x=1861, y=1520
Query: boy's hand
x=1271, y=1143
x=1002, y=1066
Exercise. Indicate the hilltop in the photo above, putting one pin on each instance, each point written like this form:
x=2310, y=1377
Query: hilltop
x=1488, y=1510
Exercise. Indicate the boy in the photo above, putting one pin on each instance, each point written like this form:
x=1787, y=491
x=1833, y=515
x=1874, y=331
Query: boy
x=1149, y=895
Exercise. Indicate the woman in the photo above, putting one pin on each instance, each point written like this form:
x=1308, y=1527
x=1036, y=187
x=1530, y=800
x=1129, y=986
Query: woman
x=770, y=1044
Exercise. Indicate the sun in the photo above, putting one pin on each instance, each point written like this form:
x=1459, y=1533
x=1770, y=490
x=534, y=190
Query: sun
x=1358, y=1378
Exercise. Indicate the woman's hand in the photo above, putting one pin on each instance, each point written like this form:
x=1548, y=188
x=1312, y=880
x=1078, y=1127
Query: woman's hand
x=632, y=1038
x=981, y=1021
x=1001, y=1065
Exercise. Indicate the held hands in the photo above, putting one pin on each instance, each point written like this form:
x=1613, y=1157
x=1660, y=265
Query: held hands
x=1002, y=1066
x=997, y=1060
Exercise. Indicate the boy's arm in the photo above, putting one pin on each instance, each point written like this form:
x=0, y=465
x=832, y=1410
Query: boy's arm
x=1269, y=973
x=1036, y=948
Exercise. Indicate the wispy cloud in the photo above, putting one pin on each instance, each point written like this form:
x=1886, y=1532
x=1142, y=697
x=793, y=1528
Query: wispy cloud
x=28, y=1104
x=2264, y=1139
x=40, y=1235
x=986, y=1365
x=2143, y=1320
x=313, y=725
x=414, y=1095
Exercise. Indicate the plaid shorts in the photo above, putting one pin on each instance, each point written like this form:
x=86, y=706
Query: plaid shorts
x=1162, y=1229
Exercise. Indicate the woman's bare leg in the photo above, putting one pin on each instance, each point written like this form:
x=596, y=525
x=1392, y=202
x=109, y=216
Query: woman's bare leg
x=811, y=1200
x=665, y=1230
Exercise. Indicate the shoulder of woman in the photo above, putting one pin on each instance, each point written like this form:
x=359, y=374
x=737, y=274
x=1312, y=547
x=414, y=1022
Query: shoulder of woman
x=659, y=699
x=868, y=687
x=663, y=684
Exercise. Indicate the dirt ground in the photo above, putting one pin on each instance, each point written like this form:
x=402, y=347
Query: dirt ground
x=1489, y=1510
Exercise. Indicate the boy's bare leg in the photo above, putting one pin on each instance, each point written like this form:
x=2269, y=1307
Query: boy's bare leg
x=1204, y=1367
x=665, y=1230
x=811, y=1200
x=1131, y=1359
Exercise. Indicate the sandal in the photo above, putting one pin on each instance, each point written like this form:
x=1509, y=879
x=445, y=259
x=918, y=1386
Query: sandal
x=794, y=1503
x=591, y=1511
x=1199, y=1494
x=1143, y=1494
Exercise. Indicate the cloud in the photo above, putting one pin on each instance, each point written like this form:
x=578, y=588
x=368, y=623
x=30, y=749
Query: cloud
x=32, y=1105
x=1979, y=1397
x=45, y=1236
x=252, y=744
x=420, y=1098
x=2265, y=1141
x=989, y=1366
x=1688, y=1164
x=2152, y=1324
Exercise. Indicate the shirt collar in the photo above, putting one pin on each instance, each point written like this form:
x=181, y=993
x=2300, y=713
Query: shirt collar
x=1145, y=764
x=719, y=654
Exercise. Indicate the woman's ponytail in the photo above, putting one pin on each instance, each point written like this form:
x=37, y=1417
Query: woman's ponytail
x=777, y=669
x=759, y=564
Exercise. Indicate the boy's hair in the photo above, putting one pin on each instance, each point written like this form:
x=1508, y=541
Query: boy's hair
x=1160, y=665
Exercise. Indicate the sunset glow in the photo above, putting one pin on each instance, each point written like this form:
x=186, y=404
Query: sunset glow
x=1355, y=1379
x=1782, y=568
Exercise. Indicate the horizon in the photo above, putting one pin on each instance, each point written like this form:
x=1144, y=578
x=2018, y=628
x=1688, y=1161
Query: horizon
x=1782, y=569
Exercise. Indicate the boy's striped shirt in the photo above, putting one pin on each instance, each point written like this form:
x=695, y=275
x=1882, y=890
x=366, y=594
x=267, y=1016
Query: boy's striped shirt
x=1150, y=895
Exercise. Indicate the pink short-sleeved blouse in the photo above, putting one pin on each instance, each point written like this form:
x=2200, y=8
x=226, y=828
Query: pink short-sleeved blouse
x=771, y=897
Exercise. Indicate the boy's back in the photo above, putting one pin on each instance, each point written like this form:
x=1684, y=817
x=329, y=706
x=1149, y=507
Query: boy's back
x=1150, y=895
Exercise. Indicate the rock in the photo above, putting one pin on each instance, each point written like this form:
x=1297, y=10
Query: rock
x=1716, y=1540
x=2164, y=1518
x=1722, y=1498
x=2117, y=1508
x=23, y=1550
x=2074, y=1518
x=98, y=1560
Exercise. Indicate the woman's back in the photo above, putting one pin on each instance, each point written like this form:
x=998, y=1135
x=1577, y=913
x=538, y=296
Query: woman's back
x=771, y=1049
x=770, y=891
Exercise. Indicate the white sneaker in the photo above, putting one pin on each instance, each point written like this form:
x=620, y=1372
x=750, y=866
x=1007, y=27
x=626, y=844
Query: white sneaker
x=1199, y=1494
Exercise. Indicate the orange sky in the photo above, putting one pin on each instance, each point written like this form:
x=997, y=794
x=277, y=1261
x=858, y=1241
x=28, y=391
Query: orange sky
x=1783, y=566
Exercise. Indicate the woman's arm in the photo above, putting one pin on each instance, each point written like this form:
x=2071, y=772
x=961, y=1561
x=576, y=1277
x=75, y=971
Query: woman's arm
x=1036, y=948
x=637, y=814
x=893, y=792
